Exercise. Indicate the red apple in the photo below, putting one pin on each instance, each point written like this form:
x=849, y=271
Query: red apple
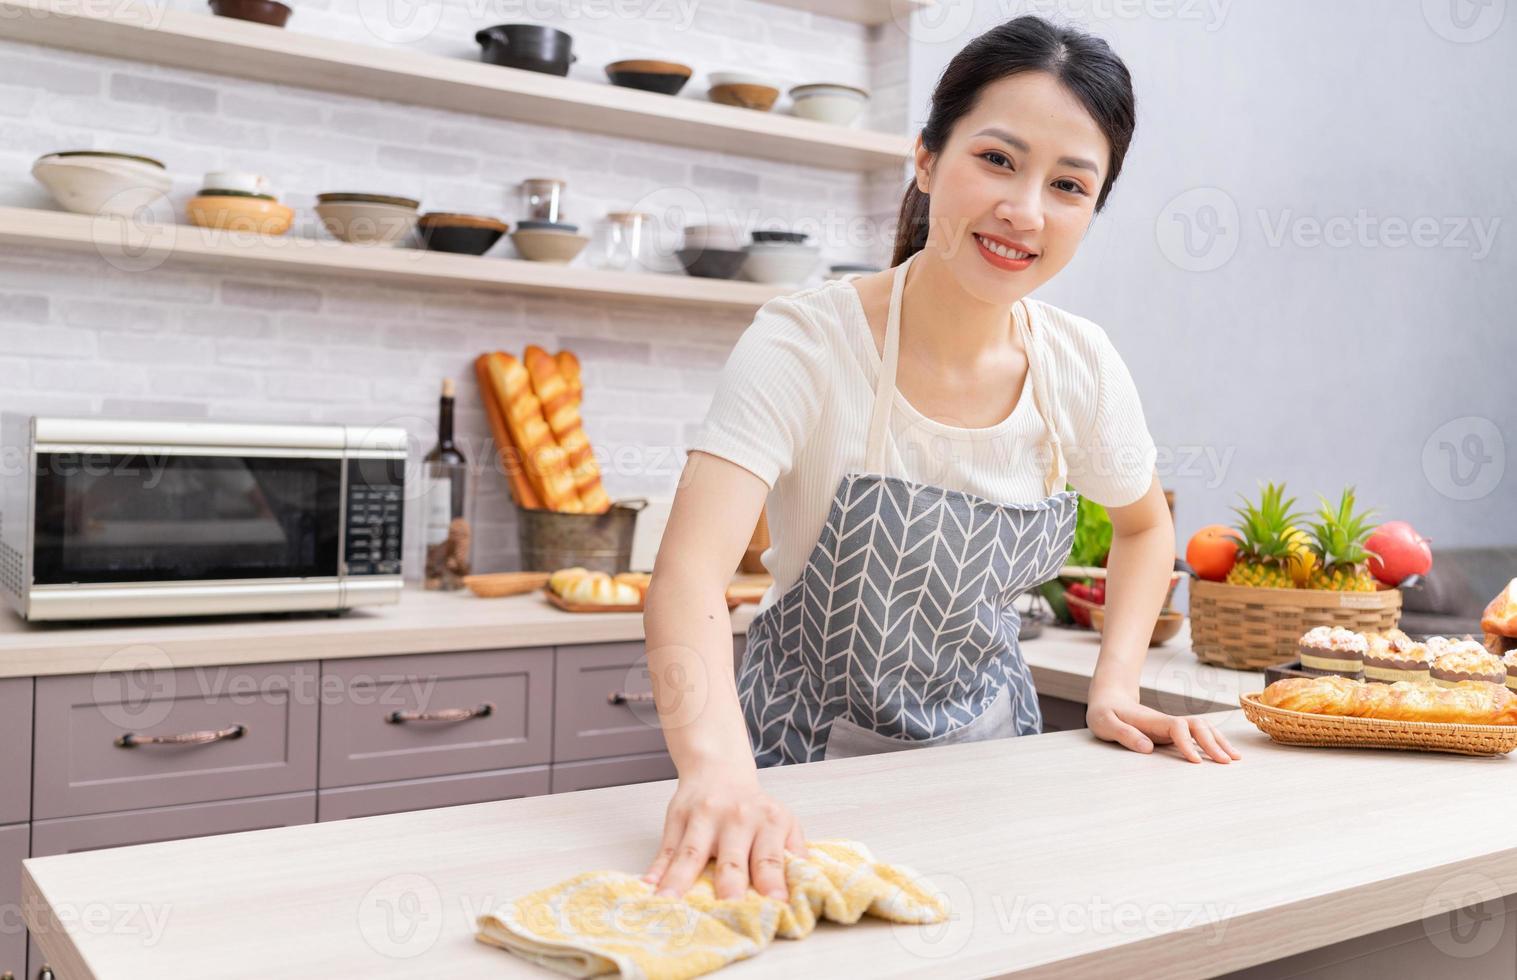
x=1398, y=551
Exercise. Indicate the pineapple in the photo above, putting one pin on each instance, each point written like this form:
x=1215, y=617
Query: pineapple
x=1302, y=560
x=1268, y=541
x=1338, y=543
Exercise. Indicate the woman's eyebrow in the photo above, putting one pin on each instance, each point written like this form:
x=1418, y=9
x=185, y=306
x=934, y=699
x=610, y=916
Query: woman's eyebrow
x=1017, y=143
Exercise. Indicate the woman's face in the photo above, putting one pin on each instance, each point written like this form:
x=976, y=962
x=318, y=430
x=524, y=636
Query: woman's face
x=1021, y=171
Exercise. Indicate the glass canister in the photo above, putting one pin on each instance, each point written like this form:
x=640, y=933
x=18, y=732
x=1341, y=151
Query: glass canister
x=626, y=234
x=542, y=199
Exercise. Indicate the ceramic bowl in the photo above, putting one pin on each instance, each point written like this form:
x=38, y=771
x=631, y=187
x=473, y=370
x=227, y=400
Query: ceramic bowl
x=95, y=183
x=780, y=262
x=559, y=227
x=664, y=77
x=1166, y=627
x=270, y=12
x=712, y=263
x=240, y=213
x=547, y=245
x=236, y=180
x=353, y=197
x=461, y=234
x=366, y=222
x=745, y=95
x=838, y=105
x=719, y=236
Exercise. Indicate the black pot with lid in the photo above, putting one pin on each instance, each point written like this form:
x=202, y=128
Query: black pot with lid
x=532, y=47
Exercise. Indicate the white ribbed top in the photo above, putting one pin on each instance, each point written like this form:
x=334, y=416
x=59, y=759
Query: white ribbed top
x=793, y=404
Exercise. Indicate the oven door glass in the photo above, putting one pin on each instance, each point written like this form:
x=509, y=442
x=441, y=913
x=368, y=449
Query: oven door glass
x=129, y=517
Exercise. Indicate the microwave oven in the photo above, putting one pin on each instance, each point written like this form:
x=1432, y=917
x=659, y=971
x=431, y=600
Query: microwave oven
x=107, y=518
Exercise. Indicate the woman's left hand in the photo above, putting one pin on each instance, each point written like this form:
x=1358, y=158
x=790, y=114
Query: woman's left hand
x=1122, y=719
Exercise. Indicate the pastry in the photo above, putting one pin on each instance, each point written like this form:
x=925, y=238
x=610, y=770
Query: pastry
x=1510, y=662
x=1391, y=658
x=1467, y=660
x=1500, y=617
x=1466, y=703
x=638, y=580
x=582, y=587
x=1332, y=650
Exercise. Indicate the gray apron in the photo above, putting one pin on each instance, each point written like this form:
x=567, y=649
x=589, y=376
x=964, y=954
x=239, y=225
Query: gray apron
x=900, y=632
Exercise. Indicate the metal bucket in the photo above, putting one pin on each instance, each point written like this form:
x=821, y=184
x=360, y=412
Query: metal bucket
x=550, y=540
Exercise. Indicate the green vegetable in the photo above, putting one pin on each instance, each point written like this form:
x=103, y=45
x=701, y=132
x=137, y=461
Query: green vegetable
x=1053, y=591
x=1092, y=534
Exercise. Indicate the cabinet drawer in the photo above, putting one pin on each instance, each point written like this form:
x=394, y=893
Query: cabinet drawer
x=13, y=843
x=259, y=723
x=596, y=711
x=361, y=744
x=434, y=791
x=16, y=756
x=570, y=776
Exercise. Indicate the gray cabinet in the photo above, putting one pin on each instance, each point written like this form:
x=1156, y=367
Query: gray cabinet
x=595, y=773
x=128, y=741
x=13, y=844
x=394, y=718
x=16, y=754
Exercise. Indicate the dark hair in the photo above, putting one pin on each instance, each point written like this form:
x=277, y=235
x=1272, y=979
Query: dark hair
x=1084, y=63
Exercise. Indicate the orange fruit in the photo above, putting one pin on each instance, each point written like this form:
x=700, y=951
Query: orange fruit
x=1212, y=551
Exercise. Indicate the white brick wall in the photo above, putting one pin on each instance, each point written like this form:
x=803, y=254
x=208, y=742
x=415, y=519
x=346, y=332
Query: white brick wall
x=78, y=335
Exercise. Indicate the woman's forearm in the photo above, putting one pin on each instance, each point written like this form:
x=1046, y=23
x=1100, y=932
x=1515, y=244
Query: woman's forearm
x=690, y=653
x=1138, y=571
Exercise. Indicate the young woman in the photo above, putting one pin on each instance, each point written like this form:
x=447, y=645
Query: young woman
x=912, y=432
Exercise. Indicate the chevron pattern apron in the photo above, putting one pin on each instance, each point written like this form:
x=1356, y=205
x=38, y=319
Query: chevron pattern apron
x=900, y=632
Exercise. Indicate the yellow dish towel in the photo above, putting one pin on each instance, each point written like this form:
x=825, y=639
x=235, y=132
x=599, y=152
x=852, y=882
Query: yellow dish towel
x=603, y=922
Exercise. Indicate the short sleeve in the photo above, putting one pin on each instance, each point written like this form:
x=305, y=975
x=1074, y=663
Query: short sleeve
x=769, y=395
x=1113, y=464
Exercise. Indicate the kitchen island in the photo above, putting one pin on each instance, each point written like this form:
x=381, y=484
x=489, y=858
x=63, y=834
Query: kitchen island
x=1061, y=856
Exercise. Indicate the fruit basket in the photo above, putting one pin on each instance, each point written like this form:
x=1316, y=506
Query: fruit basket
x=1249, y=628
x=1265, y=582
x=1303, y=728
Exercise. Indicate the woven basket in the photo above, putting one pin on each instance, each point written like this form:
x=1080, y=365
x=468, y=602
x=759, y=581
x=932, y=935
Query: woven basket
x=1246, y=628
x=1303, y=728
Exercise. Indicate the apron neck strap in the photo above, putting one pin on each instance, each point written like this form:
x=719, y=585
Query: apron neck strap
x=884, y=389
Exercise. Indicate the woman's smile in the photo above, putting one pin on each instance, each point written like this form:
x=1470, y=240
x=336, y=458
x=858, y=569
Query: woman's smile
x=1003, y=254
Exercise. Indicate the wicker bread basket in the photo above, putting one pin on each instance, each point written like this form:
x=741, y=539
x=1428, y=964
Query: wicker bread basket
x=1247, y=628
x=1303, y=728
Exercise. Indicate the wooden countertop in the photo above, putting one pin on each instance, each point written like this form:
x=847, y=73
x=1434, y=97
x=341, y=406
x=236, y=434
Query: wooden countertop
x=1061, y=660
x=1061, y=855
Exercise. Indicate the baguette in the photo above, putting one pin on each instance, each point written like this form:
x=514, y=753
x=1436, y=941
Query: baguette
x=543, y=460
x=1466, y=703
x=560, y=408
x=510, y=460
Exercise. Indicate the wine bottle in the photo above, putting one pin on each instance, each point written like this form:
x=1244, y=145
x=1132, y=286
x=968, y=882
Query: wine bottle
x=446, y=535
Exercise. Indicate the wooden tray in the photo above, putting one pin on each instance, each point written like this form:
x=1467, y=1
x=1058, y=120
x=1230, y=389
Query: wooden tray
x=494, y=585
x=1304, y=728
x=589, y=607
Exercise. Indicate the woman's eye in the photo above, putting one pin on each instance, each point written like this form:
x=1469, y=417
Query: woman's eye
x=1069, y=186
x=993, y=156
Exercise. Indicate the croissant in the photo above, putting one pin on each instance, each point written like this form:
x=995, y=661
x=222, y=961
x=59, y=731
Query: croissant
x=1466, y=703
x=1500, y=617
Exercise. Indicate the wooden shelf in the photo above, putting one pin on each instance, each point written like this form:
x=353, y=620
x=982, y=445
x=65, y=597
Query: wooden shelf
x=134, y=30
x=149, y=246
x=859, y=11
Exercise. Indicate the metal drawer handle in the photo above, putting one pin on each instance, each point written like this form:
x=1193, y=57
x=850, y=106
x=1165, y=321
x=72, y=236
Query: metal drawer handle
x=132, y=739
x=629, y=697
x=446, y=714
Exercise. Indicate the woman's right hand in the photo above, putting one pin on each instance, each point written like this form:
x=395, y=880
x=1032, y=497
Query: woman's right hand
x=727, y=816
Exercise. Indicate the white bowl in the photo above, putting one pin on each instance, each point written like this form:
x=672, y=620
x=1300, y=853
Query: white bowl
x=236, y=180
x=839, y=105
x=719, y=236
x=101, y=185
x=367, y=222
x=780, y=262
x=742, y=78
x=548, y=245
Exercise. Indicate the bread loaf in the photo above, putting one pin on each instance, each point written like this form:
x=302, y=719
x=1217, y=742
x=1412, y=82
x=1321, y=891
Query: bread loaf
x=1500, y=617
x=560, y=407
x=577, y=585
x=1467, y=703
x=510, y=461
x=542, y=459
